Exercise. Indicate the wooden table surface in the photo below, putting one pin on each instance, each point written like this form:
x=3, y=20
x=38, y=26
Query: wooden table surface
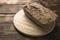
x=8, y=31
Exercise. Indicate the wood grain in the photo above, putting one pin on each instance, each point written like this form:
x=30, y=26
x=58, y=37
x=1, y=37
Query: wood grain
x=13, y=1
x=10, y=8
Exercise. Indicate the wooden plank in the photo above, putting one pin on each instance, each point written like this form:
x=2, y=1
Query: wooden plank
x=13, y=1
x=10, y=8
x=6, y=17
x=6, y=14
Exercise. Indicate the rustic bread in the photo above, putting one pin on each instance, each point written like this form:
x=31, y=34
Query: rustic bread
x=39, y=14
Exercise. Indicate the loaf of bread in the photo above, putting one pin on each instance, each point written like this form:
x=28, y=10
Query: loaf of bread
x=39, y=14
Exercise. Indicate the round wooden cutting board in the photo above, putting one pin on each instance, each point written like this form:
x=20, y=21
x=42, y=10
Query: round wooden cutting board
x=26, y=26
